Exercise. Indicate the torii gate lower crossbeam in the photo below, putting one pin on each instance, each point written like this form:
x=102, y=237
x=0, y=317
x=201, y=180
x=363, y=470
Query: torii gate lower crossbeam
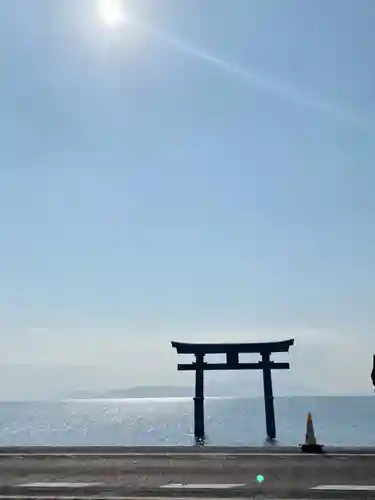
x=232, y=351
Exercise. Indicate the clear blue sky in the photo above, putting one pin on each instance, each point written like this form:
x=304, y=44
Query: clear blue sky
x=206, y=171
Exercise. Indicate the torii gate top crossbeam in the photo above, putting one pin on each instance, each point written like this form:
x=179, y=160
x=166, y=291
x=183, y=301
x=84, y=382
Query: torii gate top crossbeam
x=216, y=348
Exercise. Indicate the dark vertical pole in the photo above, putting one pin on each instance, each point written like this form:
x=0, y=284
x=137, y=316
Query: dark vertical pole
x=373, y=371
x=268, y=396
x=199, y=399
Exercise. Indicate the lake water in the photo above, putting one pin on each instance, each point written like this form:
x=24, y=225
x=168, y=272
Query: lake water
x=229, y=421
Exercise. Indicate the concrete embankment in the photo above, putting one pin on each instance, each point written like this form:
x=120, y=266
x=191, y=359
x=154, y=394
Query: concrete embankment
x=174, y=450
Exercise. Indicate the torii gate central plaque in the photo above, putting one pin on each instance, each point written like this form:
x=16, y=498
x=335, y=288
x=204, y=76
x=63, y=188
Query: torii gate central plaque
x=232, y=351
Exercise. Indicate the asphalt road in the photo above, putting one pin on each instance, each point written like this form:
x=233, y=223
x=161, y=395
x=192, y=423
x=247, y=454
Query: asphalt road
x=181, y=472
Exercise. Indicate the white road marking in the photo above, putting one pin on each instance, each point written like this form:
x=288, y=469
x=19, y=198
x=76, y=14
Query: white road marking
x=57, y=484
x=202, y=486
x=343, y=487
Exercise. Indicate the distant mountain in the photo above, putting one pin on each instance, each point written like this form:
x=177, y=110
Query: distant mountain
x=240, y=386
x=138, y=392
x=159, y=391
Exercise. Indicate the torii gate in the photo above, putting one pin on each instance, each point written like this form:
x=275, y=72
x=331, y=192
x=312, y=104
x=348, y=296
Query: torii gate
x=232, y=351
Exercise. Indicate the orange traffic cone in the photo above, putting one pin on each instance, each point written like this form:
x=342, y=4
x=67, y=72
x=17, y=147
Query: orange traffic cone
x=310, y=445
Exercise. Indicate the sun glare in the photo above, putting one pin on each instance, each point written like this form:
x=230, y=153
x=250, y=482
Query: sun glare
x=111, y=12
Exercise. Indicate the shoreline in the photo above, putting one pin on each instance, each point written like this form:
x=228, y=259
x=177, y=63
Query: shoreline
x=178, y=450
x=70, y=399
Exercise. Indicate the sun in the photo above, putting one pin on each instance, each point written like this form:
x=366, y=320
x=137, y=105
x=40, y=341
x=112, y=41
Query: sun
x=111, y=13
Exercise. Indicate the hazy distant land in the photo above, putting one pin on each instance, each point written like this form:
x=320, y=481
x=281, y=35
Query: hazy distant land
x=243, y=387
x=137, y=392
x=156, y=391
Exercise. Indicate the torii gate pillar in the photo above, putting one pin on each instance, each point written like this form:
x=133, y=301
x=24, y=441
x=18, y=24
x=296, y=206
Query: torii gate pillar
x=268, y=397
x=199, y=399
